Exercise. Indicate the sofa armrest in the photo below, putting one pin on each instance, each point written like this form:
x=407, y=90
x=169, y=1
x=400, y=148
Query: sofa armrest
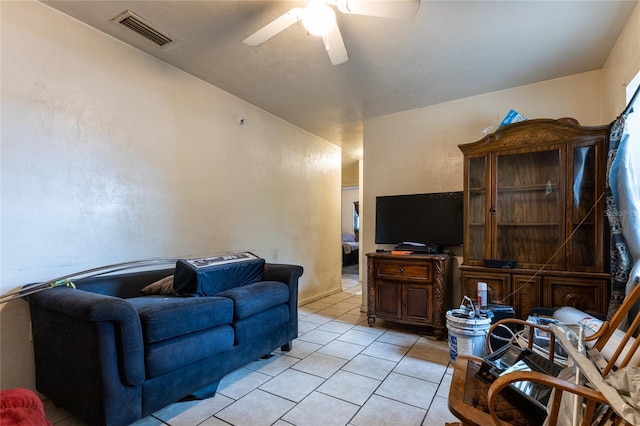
x=288, y=274
x=98, y=308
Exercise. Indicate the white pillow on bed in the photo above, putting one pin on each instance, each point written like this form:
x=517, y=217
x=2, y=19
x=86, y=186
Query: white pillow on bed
x=348, y=238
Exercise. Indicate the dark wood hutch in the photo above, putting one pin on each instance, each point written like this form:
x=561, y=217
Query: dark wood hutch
x=533, y=195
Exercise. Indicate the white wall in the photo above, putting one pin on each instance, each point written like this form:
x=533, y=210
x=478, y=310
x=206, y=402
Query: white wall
x=417, y=151
x=351, y=174
x=621, y=67
x=110, y=155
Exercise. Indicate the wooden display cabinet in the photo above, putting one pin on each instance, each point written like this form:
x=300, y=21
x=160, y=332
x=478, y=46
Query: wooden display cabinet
x=533, y=195
x=413, y=289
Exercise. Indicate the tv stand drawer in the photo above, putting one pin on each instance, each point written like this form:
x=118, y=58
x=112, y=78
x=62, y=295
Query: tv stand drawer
x=404, y=271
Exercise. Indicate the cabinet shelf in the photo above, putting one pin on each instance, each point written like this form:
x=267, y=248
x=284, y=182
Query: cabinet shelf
x=528, y=188
x=519, y=224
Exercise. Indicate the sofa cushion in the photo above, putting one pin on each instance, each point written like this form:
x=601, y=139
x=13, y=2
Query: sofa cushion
x=169, y=355
x=250, y=299
x=265, y=322
x=208, y=276
x=163, y=317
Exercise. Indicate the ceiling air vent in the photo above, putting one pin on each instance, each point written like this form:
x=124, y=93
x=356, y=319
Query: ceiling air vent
x=142, y=27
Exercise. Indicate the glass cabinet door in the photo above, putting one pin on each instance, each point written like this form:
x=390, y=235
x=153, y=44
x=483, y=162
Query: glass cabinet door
x=583, y=213
x=476, y=205
x=529, y=208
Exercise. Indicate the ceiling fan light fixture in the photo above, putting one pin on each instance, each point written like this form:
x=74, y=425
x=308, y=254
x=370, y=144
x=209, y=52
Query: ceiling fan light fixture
x=318, y=18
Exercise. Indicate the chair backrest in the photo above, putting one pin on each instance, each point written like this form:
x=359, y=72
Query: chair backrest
x=529, y=336
x=626, y=346
x=623, y=348
x=620, y=345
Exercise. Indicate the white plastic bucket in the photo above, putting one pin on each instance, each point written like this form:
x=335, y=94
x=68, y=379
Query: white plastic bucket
x=467, y=335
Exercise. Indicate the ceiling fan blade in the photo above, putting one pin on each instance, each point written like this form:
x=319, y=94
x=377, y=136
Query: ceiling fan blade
x=274, y=27
x=400, y=9
x=335, y=46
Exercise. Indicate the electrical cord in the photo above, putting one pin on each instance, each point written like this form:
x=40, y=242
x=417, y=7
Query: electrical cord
x=520, y=340
x=556, y=252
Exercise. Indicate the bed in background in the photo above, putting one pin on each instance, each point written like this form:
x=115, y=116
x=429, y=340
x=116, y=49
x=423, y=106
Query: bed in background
x=350, y=249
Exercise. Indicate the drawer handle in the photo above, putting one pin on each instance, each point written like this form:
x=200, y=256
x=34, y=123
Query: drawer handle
x=400, y=270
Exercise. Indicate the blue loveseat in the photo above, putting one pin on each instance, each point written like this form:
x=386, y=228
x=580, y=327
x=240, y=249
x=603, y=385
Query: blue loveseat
x=111, y=355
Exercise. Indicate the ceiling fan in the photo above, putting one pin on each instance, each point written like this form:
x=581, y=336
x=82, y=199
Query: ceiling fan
x=319, y=19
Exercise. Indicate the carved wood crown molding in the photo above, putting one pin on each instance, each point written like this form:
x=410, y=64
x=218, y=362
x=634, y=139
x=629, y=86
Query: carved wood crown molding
x=541, y=131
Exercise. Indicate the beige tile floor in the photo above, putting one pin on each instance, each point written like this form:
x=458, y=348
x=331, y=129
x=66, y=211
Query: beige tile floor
x=340, y=372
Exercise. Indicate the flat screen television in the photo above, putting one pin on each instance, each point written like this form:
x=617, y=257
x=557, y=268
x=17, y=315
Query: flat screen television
x=435, y=218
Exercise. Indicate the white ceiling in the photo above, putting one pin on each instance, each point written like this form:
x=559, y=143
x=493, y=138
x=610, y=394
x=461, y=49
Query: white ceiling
x=449, y=50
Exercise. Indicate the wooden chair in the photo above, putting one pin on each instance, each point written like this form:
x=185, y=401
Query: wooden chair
x=477, y=403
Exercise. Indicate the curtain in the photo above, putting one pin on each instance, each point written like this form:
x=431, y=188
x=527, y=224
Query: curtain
x=622, y=192
x=620, y=256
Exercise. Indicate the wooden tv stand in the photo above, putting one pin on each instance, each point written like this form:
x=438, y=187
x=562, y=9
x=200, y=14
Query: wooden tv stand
x=413, y=289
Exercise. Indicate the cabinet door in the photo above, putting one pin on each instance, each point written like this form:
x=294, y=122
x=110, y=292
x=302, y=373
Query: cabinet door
x=476, y=206
x=498, y=286
x=529, y=208
x=388, y=295
x=584, y=215
x=418, y=303
x=587, y=295
x=527, y=294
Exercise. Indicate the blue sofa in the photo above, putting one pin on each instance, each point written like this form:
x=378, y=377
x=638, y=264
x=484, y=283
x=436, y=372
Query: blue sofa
x=111, y=355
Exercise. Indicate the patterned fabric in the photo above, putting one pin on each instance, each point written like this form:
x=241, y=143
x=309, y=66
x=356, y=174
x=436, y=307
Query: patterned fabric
x=621, y=261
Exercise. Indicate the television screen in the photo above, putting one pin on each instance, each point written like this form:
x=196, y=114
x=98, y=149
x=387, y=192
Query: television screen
x=435, y=218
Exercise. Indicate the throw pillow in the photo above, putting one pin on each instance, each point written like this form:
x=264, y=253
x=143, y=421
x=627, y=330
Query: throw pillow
x=162, y=287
